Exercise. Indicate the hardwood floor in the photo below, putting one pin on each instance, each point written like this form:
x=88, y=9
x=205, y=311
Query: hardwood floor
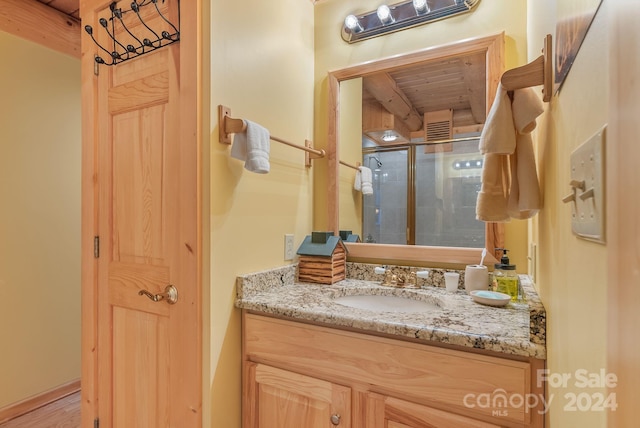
x=63, y=413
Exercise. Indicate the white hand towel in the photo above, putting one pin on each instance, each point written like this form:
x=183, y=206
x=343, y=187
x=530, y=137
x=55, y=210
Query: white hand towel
x=366, y=180
x=357, y=184
x=252, y=147
x=498, y=135
x=492, y=199
x=526, y=107
x=524, y=195
x=510, y=186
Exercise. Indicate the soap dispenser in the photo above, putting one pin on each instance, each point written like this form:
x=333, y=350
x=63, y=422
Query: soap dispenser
x=505, y=278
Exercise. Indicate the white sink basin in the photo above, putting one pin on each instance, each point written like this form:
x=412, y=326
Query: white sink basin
x=386, y=303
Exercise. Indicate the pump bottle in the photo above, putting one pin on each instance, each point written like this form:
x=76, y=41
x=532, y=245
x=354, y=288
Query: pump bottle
x=505, y=278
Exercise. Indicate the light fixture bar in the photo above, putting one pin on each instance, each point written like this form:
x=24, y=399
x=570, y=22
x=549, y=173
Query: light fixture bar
x=400, y=16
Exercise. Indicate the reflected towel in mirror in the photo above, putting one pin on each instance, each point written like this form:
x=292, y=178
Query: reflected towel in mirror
x=364, y=181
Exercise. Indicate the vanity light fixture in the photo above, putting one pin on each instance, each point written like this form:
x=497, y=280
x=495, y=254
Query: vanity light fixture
x=399, y=16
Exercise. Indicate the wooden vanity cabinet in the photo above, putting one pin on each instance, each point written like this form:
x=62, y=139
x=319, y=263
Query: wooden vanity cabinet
x=298, y=375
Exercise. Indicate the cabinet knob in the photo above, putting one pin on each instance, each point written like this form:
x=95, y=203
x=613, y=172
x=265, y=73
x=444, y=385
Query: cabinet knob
x=335, y=419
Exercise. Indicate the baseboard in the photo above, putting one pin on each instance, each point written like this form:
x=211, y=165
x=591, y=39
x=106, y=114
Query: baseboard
x=27, y=405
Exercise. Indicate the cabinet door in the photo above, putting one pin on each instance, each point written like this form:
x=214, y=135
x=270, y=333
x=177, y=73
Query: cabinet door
x=389, y=412
x=279, y=398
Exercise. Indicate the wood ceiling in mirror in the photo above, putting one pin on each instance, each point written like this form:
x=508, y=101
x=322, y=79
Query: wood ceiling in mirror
x=457, y=83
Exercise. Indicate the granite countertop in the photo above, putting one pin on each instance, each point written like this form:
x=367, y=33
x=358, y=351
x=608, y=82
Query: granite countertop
x=516, y=329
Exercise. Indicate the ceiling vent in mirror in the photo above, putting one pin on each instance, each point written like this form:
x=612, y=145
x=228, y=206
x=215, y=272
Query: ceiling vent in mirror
x=399, y=16
x=438, y=126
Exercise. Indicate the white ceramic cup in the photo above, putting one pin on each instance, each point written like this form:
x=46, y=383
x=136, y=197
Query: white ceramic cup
x=476, y=277
x=451, y=280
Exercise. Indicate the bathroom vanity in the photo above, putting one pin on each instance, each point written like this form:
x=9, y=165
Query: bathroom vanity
x=309, y=361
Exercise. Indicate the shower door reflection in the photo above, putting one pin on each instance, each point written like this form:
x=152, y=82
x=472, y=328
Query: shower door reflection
x=446, y=188
x=385, y=212
x=424, y=195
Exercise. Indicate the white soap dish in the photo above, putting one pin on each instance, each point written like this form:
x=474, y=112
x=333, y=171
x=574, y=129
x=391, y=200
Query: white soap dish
x=491, y=298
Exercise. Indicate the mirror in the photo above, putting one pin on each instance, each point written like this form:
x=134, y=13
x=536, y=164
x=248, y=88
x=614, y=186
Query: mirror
x=382, y=113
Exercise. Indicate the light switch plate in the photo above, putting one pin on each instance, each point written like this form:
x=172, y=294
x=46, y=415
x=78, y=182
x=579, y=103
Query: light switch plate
x=588, y=168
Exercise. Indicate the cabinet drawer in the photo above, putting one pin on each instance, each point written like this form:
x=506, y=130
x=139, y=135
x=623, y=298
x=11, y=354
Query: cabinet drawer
x=466, y=383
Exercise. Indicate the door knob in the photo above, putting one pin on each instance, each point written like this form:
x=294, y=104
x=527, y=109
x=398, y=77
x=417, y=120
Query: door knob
x=335, y=419
x=170, y=295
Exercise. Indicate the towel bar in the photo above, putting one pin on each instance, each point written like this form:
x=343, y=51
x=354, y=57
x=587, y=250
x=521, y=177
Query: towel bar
x=537, y=72
x=228, y=125
x=357, y=167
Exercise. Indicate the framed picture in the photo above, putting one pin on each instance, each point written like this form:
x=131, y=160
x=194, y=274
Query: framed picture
x=574, y=20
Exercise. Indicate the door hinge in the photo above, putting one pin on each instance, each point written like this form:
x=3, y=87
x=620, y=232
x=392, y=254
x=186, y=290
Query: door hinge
x=96, y=246
x=96, y=423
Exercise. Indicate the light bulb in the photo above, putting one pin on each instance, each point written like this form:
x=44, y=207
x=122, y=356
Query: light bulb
x=384, y=14
x=353, y=24
x=421, y=6
x=389, y=137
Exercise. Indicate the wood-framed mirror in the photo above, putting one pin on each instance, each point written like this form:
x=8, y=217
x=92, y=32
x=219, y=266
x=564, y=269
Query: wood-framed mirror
x=465, y=53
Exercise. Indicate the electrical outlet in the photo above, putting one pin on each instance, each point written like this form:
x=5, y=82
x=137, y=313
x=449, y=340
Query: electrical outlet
x=288, y=247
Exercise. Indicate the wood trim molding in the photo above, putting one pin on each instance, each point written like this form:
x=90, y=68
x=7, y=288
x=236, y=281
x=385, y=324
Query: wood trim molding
x=390, y=253
x=33, y=21
x=27, y=405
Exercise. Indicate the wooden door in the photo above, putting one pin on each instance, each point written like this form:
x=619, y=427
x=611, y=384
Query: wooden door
x=141, y=356
x=283, y=399
x=389, y=412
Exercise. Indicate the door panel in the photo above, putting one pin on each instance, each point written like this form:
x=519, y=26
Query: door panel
x=138, y=339
x=138, y=194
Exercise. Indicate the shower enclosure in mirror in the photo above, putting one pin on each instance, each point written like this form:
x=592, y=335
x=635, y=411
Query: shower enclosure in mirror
x=423, y=195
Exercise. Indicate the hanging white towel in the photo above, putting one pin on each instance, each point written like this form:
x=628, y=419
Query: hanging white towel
x=492, y=198
x=498, y=135
x=509, y=186
x=357, y=184
x=526, y=108
x=366, y=180
x=252, y=146
x=524, y=195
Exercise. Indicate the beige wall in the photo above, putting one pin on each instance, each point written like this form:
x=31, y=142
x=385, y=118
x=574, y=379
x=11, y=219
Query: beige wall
x=39, y=219
x=332, y=53
x=572, y=273
x=262, y=68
